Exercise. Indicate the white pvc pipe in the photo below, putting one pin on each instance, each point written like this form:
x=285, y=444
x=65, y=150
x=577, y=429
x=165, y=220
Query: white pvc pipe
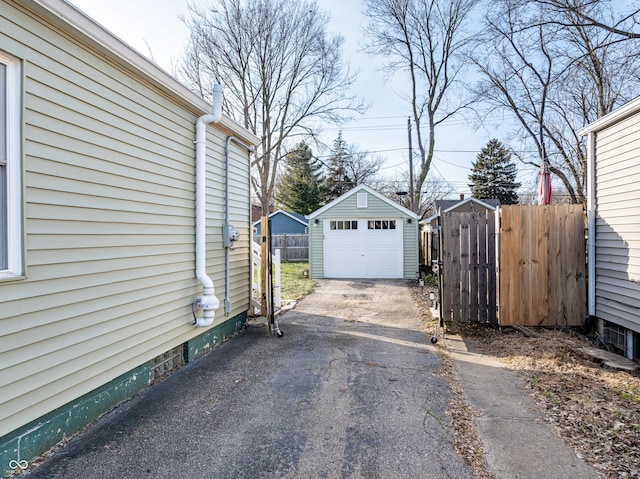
x=277, y=261
x=208, y=302
x=591, y=225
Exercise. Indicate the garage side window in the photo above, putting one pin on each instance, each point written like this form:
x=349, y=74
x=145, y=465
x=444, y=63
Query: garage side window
x=381, y=224
x=343, y=225
x=10, y=169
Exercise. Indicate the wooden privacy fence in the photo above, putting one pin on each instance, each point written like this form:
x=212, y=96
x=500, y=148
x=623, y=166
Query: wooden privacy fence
x=542, y=266
x=293, y=247
x=468, y=273
x=533, y=275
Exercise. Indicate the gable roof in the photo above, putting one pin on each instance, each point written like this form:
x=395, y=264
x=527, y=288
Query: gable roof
x=294, y=216
x=358, y=189
x=450, y=205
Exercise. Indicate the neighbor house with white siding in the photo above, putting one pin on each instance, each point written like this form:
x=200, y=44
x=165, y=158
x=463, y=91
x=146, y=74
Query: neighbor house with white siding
x=363, y=234
x=613, y=211
x=102, y=198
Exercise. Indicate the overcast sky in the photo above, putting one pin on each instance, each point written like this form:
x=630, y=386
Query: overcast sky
x=153, y=27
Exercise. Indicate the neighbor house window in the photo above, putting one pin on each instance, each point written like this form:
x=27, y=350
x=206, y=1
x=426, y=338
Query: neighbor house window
x=10, y=170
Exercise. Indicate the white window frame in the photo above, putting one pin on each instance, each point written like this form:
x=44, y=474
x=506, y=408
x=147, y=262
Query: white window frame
x=343, y=225
x=381, y=224
x=362, y=200
x=14, y=266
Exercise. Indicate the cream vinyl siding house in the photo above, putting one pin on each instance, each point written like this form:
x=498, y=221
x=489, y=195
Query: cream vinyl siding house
x=104, y=282
x=362, y=234
x=614, y=226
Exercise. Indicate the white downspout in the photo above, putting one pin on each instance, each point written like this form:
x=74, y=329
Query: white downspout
x=208, y=302
x=591, y=224
x=229, y=233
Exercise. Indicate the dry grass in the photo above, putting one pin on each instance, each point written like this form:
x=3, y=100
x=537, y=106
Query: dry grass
x=595, y=409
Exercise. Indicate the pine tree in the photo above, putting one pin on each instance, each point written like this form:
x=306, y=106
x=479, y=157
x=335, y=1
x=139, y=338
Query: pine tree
x=348, y=167
x=338, y=182
x=494, y=174
x=300, y=188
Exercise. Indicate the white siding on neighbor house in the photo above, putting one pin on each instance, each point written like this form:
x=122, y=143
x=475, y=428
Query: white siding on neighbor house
x=617, y=239
x=109, y=223
x=376, y=208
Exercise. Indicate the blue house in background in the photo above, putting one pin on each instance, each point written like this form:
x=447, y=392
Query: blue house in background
x=285, y=223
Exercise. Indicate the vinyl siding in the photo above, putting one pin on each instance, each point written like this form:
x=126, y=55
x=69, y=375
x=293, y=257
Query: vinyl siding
x=316, y=251
x=376, y=208
x=281, y=224
x=410, y=232
x=617, y=183
x=109, y=223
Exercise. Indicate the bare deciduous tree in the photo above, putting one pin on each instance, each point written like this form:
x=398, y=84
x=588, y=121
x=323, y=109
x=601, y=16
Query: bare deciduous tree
x=347, y=167
x=423, y=39
x=282, y=73
x=554, y=72
x=434, y=189
x=580, y=13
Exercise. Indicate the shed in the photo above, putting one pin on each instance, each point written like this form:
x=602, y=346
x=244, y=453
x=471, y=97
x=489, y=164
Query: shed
x=429, y=239
x=363, y=234
x=285, y=223
x=613, y=202
x=100, y=284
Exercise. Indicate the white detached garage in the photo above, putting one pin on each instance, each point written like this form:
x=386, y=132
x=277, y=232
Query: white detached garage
x=362, y=234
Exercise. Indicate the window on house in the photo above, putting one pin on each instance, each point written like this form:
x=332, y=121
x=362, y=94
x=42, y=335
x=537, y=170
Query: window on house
x=343, y=225
x=381, y=224
x=10, y=172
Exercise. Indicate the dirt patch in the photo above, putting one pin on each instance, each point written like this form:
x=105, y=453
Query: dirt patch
x=595, y=409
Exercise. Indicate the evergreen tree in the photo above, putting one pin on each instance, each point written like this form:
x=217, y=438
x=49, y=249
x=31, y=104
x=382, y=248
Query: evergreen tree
x=300, y=188
x=494, y=174
x=338, y=182
x=348, y=167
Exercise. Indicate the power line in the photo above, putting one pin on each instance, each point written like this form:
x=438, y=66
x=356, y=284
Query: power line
x=368, y=128
x=393, y=127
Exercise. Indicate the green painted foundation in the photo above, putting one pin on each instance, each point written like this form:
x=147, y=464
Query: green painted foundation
x=204, y=343
x=37, y=437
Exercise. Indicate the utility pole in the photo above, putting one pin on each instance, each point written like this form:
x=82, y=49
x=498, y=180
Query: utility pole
x=411, y=193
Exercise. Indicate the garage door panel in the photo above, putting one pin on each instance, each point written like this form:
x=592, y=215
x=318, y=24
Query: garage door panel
x=381, y=267
x=363, y=252
x=343, y=263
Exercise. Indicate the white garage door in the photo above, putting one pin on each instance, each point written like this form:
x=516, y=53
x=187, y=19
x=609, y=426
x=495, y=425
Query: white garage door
x=364, y=248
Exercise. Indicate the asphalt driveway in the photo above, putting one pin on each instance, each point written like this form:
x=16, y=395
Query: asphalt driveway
x=348, y=392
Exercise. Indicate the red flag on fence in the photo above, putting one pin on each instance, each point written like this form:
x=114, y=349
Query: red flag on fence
x=544, y=185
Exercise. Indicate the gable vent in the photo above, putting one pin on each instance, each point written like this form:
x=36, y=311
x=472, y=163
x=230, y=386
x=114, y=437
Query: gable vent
x=362, y=200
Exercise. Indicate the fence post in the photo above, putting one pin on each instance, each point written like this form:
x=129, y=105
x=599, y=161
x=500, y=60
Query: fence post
x=276, y=286
x=285, y=257
x=265, y=249
x=256, y=274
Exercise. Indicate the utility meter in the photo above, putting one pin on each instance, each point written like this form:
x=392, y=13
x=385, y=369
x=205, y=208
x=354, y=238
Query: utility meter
x=230, y=234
